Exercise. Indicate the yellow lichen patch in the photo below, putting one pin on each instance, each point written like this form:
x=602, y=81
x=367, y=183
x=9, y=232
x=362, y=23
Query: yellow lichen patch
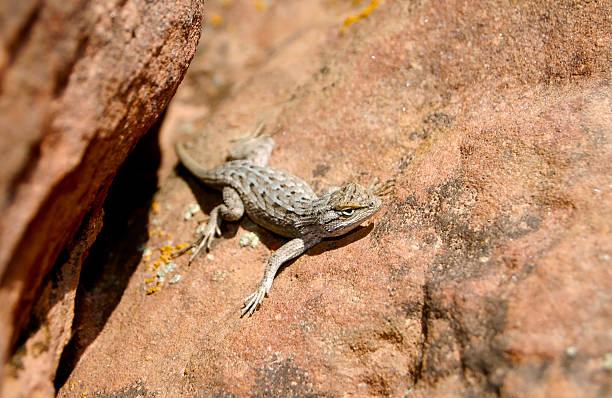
x=156, y=232
x=154, y=289
x=215, y=20
x=155, y=207
x=186, y=370
x=166, y=253
x=166, y=250
x=350, y=20
x=259, y=5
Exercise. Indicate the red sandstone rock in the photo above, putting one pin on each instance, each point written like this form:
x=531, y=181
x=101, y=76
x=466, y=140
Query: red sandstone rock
x=486, y=273
x=80, y=83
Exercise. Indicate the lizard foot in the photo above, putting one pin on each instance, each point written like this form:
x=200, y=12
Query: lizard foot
x=253, y=301
x=204, y=238
x=255, y=147
x=382, y=189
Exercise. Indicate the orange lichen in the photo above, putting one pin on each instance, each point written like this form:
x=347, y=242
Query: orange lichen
x=259, y=5
x=363, y=14
x=156, y=232
x=154, y=289
x=166, y=250
x=166, y=253
x=216, y=20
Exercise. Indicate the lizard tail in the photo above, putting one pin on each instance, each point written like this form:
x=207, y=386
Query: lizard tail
x=190, y=163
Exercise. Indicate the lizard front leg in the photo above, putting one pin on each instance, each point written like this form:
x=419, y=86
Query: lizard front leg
x=289, y=250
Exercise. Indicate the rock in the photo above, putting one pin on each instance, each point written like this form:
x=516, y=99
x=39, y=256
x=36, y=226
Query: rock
x=80, y=83
x=486, y=272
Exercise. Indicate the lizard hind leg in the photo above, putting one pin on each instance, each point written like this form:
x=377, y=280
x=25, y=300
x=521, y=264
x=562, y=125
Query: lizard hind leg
x=232, y=209
x=255, y=147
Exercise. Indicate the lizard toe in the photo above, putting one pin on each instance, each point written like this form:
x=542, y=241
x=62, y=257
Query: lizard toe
x=252, y=302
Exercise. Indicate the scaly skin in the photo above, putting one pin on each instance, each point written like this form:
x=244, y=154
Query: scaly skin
x=280, y=202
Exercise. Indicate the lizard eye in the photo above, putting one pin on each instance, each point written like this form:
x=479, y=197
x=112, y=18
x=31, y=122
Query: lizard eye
x=348, y=212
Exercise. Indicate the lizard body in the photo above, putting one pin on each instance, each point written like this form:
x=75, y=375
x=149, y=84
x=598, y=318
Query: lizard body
x=279, y=202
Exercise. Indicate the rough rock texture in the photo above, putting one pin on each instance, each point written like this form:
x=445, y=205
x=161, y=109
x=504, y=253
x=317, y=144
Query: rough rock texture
x=80, y=83
x=486, y=273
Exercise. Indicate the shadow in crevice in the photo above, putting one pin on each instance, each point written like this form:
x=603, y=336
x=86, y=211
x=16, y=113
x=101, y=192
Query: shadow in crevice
x=116, y=252
x=207, y=199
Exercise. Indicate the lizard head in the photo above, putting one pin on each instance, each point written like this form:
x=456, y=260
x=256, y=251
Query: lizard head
x=347, y=207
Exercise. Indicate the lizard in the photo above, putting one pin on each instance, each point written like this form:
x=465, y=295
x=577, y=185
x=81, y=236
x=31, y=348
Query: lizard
x=279, y=202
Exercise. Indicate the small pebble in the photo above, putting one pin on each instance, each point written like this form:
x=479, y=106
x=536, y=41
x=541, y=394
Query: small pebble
x=192, y=209
x=249, y=239
x=608, y=361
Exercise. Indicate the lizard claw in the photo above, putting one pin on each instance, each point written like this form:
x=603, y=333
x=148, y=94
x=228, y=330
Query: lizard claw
x=382, y=188
x=204, y=239
x=253, y=301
